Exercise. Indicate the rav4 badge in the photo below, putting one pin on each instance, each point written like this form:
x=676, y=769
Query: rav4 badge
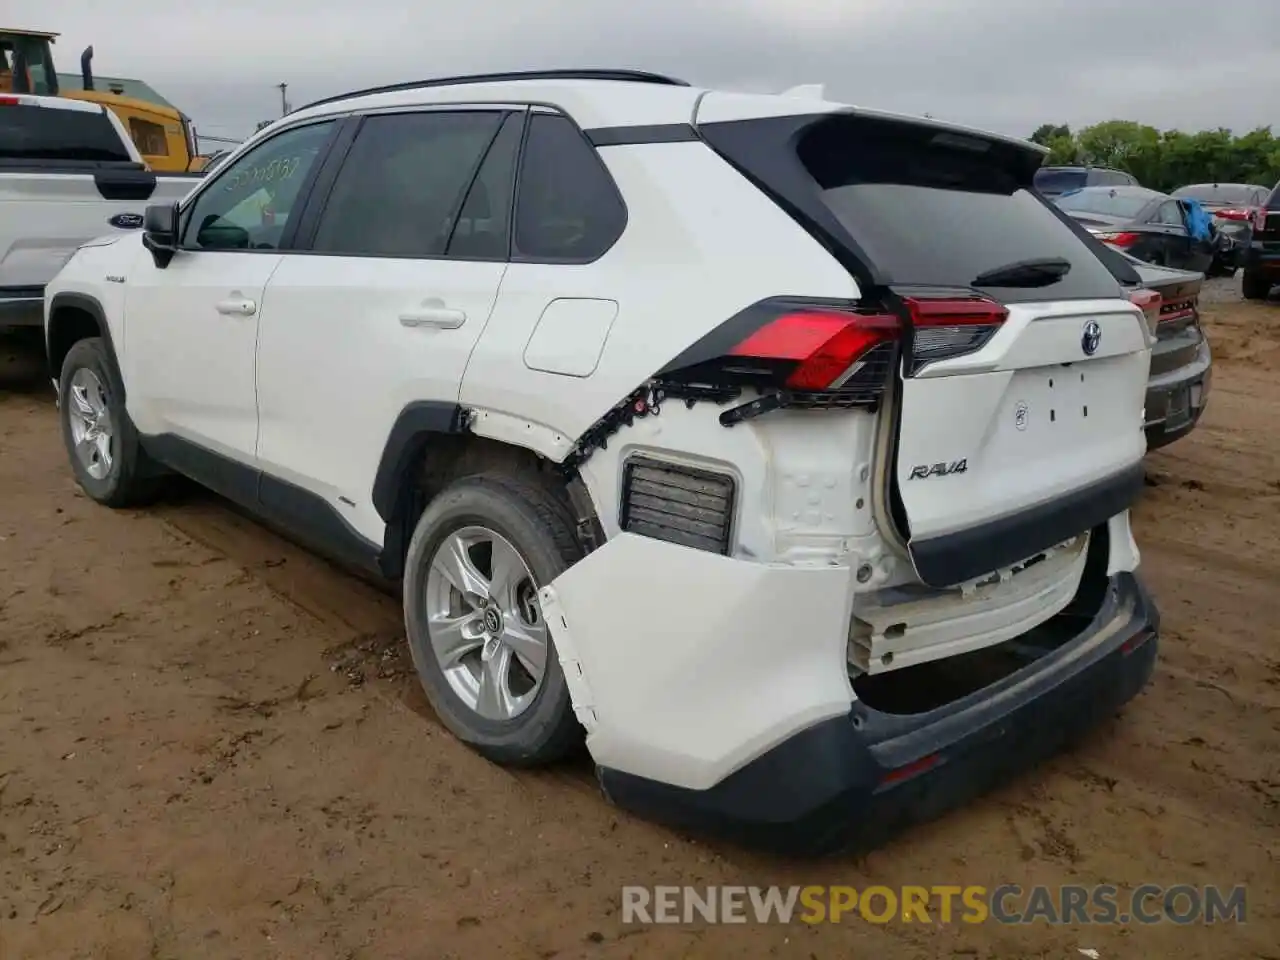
x=924, y=471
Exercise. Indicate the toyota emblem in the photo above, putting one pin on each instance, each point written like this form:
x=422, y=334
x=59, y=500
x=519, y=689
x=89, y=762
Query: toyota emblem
x=1091, y=338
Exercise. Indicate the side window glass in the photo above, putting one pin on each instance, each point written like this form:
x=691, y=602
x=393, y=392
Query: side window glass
x=248, y=204
x=1169, y=214
x=148, y=137
x=400, y=187
x=568, y=207
x=483, y=228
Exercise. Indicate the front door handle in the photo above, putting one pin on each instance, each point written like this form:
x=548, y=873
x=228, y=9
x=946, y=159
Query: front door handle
x=433, y=315
x=236, y=307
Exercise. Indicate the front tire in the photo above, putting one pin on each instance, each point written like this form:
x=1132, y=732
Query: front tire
x=483, y=653
x=99, y=437
x=1255, y=286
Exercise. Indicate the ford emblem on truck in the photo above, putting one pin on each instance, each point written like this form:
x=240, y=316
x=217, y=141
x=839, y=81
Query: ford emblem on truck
x=126, y=221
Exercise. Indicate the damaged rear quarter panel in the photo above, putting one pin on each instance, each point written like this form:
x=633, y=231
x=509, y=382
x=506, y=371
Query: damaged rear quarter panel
x=694, y=663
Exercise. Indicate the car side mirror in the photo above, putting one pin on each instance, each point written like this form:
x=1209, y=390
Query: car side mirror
x=160, y=232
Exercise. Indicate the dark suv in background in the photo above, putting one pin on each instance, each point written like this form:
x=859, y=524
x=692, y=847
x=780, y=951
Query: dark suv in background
x=1055, y=181
x=1261, y=260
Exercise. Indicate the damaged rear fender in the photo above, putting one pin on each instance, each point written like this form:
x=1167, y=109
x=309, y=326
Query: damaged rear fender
x=683, y=664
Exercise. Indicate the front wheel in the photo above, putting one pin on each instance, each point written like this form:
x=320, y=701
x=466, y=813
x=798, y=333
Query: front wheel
x=100, y=439
x=483, y=651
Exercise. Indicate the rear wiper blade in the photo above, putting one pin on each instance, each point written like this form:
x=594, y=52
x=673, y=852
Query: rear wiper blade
x=1039, y=272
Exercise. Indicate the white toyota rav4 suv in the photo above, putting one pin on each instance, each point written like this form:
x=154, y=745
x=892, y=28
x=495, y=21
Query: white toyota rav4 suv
x=781, y=449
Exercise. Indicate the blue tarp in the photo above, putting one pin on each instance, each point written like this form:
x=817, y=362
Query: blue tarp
x=1198, y=222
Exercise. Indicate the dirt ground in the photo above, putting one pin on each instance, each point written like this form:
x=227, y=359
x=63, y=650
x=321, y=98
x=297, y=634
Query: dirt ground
x=212, y=745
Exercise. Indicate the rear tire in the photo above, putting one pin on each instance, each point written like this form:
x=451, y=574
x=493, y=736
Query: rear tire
x=472, y=648
x=1255, y=286
x=100, y=439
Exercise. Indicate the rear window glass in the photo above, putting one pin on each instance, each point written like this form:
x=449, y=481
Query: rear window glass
x=1059, y=181
x=1222, y=193
x=1107, y=202
x=44, y=133
x=933, y=210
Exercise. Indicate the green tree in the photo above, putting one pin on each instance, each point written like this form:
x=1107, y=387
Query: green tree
x=1169, y=159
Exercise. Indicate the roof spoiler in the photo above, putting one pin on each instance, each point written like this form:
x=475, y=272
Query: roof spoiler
x=86, y=68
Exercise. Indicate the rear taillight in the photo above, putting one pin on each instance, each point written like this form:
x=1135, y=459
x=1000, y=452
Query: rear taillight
x=818, y=354
x=813, y=350
x=794, y=353
x=1148, y=301
x=9, y=101
x=1118, y=239
x=946, y=327
x=1260, y=219
x=1233, y=214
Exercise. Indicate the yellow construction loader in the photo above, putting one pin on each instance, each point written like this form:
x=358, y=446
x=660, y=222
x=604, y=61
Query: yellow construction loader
x=161, y=132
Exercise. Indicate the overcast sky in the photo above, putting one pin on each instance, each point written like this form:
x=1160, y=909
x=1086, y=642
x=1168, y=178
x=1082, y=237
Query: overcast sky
x=1008, y=65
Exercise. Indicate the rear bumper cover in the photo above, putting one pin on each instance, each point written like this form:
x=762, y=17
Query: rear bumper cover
x=1177, y=398
x=849, y=783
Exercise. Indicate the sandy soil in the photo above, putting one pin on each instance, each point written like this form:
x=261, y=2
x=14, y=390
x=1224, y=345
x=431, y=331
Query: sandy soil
x=211, y=745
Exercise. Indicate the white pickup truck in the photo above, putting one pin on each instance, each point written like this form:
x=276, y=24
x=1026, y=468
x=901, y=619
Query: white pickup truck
x=69, y=173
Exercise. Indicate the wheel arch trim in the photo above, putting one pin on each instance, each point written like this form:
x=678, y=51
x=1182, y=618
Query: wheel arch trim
x=407, y=441
x=90, y=305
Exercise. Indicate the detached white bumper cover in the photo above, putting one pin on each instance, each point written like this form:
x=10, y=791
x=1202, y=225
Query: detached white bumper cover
x=715, y=695
x=684, y=664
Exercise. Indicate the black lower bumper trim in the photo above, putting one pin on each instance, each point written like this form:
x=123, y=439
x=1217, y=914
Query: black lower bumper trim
x=850, y=783
x=957, y=557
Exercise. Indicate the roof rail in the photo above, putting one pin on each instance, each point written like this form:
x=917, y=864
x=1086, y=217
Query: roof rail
x=622, y=76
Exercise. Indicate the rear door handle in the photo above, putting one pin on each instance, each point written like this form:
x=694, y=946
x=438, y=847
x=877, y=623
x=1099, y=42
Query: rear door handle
x=441, y=318
x=236, y=307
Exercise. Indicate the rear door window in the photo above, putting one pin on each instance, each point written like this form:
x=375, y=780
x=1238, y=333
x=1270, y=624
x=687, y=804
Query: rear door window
x=401, y=186
x=1168, y=214
x=928, y=211
x=483, y=229
x=51, y=133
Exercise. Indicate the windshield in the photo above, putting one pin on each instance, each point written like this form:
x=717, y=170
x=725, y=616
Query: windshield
x=1221, y=194
x=1103, y=200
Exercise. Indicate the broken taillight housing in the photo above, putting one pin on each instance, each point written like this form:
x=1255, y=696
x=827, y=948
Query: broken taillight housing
x=811, y=353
